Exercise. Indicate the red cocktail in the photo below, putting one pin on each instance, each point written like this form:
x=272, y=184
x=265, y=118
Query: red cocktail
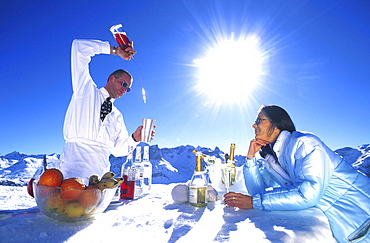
x=120, y=36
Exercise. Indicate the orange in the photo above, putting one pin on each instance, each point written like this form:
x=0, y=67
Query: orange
x=90, y=197
x=51, y=177
x=72, y=188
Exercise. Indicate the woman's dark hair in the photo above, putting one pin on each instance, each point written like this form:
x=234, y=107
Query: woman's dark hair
x=279, y=118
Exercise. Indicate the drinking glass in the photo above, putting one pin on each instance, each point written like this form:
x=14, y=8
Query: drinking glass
x=226, y=177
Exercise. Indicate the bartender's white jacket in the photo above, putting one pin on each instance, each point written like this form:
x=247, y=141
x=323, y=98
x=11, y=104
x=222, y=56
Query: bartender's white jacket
x=89, y=141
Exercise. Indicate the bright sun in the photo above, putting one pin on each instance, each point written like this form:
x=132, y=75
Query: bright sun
x=230, y=70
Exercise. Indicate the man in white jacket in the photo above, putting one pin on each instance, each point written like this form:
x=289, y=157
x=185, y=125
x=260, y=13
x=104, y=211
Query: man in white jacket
x=90, y=139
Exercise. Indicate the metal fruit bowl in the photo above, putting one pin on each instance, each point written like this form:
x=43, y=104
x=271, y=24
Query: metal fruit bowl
x=85, y=204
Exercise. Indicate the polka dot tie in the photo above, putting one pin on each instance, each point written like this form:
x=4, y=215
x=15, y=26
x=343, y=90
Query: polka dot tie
x=106, y=108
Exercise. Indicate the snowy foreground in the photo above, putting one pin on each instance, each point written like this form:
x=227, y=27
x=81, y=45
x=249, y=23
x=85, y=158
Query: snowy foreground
x=156, y=218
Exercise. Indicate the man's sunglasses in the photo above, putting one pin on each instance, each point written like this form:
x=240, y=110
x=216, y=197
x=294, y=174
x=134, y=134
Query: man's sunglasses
x=124, y=85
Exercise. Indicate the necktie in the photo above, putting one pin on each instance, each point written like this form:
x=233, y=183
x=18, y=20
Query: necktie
x=106, y=108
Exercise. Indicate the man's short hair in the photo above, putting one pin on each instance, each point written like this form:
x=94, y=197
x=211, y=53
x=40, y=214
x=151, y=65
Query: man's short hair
x=118, y=73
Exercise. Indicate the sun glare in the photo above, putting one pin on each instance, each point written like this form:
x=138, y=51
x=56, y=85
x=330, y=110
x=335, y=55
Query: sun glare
x=230, y=70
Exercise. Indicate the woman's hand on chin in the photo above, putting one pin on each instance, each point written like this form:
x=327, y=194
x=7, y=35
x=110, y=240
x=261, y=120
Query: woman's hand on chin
x=254, y=146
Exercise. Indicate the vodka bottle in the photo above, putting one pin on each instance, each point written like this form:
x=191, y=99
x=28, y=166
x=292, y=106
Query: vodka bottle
x=128, y=173
x=138, y=154
x=139, y=173
x=148, y=171
x=198, y=184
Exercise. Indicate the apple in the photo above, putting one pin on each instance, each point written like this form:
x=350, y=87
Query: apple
x=54, y=204
x=74, y=210
x=30, y=187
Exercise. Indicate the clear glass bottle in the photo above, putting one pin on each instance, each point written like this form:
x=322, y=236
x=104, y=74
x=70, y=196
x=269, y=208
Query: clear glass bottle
x=139, y=173
x=198, y=184
x=128, y=173
x=148, y=171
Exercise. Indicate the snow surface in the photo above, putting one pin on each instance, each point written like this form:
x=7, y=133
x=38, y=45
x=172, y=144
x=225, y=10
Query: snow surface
x=156, y=218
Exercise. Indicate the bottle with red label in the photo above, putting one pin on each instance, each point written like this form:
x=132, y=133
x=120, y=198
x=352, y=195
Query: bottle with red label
x=129, y=175
x=120, y=36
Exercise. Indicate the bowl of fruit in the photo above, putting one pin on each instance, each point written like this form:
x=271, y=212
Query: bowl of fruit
x=70, y=199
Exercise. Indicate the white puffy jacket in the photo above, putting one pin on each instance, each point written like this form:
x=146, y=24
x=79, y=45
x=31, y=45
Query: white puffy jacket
x=317, y=177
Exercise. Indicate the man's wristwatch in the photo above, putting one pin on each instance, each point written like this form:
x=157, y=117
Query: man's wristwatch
x=114, y=50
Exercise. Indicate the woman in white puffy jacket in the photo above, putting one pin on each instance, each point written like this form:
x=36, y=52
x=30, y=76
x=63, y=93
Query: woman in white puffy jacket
x=299, y=171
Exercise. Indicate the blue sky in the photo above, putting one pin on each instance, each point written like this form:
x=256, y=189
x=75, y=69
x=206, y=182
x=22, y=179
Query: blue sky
x=316, y=66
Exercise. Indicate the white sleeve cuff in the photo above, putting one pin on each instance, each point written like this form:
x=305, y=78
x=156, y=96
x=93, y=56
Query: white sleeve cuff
x=251, y=162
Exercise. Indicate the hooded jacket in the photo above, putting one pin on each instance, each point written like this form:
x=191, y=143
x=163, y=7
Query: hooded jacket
x=309, y=174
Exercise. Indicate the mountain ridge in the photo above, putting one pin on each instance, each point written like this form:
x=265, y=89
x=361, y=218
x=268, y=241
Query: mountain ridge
x=170, y=165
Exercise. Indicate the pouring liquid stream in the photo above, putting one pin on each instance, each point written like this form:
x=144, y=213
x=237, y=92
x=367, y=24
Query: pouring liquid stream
x=143, y=92
x=123, y=41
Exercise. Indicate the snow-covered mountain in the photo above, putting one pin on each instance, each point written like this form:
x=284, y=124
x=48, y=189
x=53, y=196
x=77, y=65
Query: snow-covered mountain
x=359, y=158
x=170, y=165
